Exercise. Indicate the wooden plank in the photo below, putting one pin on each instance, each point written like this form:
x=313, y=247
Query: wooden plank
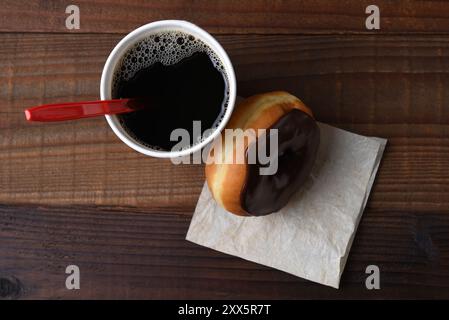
x=392, y=86
x=124, y=253
x=229, y=16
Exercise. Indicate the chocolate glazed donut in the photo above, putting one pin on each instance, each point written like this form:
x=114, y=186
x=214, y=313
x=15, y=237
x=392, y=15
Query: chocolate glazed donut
x=239, y=187
x=298, y=140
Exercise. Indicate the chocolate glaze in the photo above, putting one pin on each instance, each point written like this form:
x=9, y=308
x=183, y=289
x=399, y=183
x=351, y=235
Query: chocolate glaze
x=298, y=141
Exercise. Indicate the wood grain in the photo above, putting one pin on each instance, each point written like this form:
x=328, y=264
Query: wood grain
x=392, y=87
x=229, y=16
x=127, y=254
x=72, y=193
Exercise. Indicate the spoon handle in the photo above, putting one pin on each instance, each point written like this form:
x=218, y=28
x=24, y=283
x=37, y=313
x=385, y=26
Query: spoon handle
x=78, y=110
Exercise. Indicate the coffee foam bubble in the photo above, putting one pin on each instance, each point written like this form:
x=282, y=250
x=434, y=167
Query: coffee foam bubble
x=168, y=48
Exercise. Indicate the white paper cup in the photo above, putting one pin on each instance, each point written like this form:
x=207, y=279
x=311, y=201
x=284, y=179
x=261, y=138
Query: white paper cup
x=130, y=40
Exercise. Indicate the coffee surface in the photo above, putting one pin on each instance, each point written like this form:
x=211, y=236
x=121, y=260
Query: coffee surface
x=298, y=141
x=179, y=80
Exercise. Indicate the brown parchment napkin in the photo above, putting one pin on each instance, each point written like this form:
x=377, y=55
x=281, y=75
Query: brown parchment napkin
x=312, y=235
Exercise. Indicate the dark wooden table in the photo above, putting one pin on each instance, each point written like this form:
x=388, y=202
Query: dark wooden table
x=72, y=193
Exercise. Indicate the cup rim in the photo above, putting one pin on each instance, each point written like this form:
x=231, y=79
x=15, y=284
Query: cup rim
x=139, y=34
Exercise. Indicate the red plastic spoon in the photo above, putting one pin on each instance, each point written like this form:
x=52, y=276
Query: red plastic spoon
x=78, y=110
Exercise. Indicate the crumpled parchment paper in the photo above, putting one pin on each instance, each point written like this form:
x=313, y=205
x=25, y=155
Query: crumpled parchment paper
x=312, y=235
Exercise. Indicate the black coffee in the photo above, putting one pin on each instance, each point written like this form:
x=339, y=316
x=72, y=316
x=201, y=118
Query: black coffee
x=179, y=79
